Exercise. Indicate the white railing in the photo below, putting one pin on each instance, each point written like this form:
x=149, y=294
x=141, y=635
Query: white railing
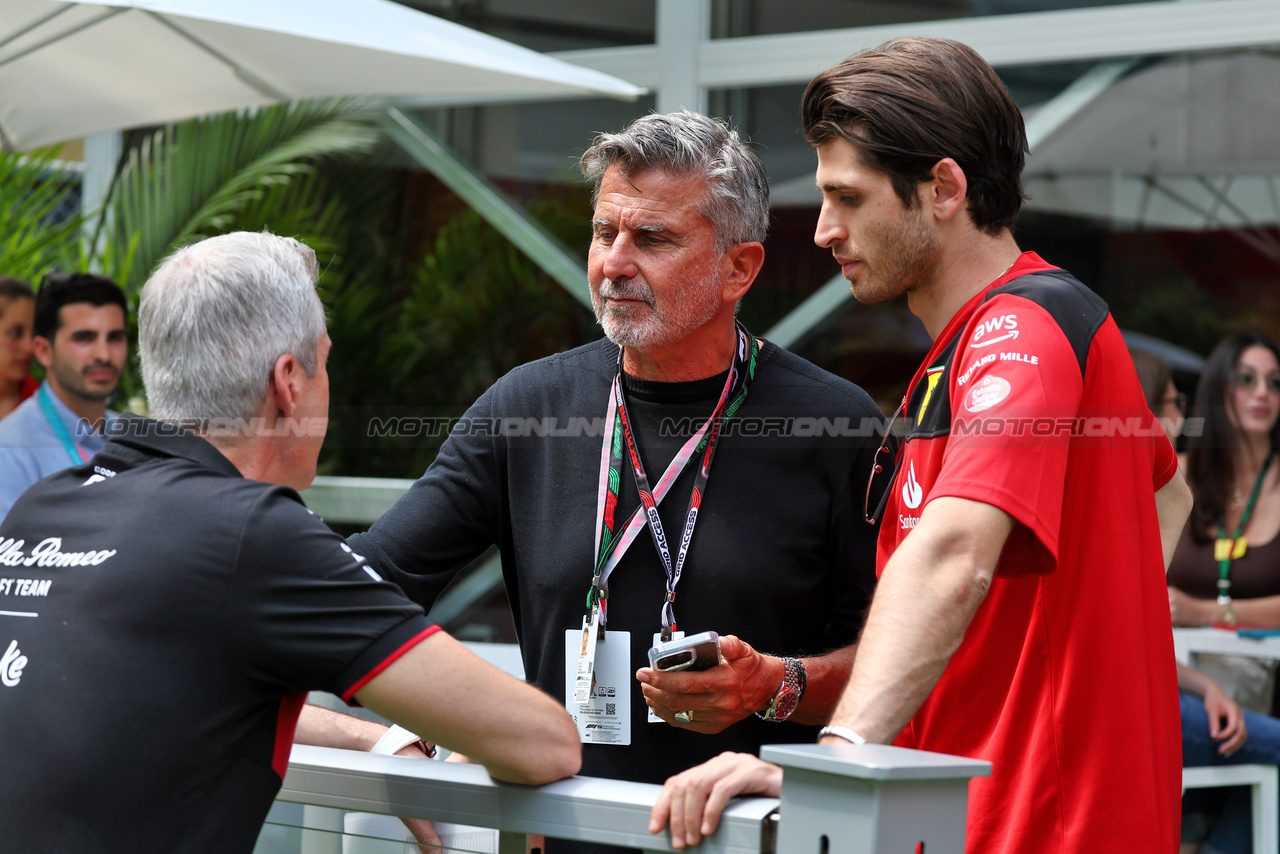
x=867, y=799
x=354, y=500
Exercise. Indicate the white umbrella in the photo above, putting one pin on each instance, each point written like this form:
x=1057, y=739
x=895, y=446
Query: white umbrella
x=1199, y=114
x=72, y=69
x=1186, y=142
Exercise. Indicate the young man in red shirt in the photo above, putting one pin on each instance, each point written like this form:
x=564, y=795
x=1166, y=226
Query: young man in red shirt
x=1021, y=614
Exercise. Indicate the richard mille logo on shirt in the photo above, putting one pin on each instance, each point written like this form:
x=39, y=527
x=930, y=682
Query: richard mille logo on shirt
x=48, y=552
x=11, y=664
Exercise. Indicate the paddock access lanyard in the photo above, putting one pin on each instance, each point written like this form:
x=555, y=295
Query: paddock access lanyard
x=59, y=427
x=613, y=543
x=1226, y=550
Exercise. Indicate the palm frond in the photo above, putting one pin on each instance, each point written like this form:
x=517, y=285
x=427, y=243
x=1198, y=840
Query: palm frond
x=194, y=178
x=37, y=226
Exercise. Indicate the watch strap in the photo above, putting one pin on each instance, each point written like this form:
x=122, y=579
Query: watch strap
x=397, y=738
x=841, y=732
x=794, y=682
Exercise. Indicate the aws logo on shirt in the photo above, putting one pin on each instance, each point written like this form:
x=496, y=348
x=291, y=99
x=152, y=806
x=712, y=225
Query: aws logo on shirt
x=1005, y=323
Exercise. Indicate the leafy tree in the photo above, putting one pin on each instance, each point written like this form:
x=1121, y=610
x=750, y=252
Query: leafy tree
x=37, y=230
x=417, y=327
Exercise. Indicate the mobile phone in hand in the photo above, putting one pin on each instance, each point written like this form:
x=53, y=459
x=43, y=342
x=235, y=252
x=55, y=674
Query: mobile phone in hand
x=696, y=652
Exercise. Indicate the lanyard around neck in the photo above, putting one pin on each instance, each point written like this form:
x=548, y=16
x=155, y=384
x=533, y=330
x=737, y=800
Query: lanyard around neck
x=613, y=540
x=59, y=427
x=1226, y=550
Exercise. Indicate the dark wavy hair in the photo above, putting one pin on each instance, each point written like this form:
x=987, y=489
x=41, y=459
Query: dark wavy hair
x=911, y=102
x=13, y=289
x=1210, y=463
x=59, y=289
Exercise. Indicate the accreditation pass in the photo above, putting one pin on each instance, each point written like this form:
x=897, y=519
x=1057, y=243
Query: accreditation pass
x=599, y=698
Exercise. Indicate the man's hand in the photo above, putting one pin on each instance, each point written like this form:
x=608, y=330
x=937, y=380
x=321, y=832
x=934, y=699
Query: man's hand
x=422, y=830
x=693, y=800
x=1226, y=721
x=425, y=833
x=718, y=697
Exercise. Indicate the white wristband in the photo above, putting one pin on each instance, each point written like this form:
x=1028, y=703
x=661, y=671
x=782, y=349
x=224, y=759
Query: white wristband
x=841, y=732
x=394, y=740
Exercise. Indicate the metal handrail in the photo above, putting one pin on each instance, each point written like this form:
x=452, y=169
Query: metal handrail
x=865, y=799
x=612, y=812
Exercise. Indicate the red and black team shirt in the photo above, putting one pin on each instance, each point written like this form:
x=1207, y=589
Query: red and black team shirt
x=1065, y=679
x=161, y=620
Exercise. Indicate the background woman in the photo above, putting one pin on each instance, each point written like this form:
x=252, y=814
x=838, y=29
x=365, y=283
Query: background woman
x=1227, y=566
x=1215, y=730
x=17, y=312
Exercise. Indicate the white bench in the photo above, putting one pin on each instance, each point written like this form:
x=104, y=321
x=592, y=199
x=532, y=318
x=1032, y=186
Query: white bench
x=1264, y=791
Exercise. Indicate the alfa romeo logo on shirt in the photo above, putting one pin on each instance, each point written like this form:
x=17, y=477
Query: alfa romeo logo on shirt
x=11, y=664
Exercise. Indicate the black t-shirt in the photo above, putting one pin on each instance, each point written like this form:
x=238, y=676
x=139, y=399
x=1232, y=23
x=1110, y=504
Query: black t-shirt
x=780, y=556
x=164, y=618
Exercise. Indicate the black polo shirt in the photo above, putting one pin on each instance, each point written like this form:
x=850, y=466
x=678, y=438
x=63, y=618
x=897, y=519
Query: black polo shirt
x=161, y=618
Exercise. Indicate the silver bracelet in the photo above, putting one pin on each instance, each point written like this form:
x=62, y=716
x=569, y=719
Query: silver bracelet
x=841, y=732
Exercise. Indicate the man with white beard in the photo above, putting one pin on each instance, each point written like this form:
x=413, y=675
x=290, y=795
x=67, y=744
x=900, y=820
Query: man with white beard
x=768, y=547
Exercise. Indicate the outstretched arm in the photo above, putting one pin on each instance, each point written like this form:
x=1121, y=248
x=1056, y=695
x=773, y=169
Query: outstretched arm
x=928, y=593
x=926, y=597
x=444, y=692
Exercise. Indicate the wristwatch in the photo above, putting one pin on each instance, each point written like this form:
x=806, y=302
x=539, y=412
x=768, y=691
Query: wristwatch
x=788, y=697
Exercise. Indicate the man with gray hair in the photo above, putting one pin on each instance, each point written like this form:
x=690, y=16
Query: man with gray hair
x=168, y=605
x=554, y=463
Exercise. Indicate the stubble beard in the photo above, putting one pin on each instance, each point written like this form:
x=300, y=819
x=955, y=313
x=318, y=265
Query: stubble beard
x=684, y=310
x=906, y=257
x=74, y=382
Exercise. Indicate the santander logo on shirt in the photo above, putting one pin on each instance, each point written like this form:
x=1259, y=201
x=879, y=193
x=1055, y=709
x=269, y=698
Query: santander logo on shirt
x=912, y=494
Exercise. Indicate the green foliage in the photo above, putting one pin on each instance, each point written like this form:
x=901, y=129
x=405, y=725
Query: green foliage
x=1174, y=309
x=214, y=174
x=33, y=191
x=472, y=308
x=418, y=328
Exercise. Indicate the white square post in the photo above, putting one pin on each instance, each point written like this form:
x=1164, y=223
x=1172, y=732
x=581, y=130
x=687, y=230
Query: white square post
x=872, y=799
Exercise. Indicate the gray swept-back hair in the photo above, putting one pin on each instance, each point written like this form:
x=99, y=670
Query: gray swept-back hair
x=687, y=143
x=215, y=316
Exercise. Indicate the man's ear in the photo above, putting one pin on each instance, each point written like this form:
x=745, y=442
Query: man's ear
x=742, y=262
x=42, y=349
x=948, y=191
x=285, y=385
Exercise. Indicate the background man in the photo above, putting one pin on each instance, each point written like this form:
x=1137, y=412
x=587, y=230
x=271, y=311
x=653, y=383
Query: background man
x=1022, y=598
x=81, y=341
x=779, y=553
x=167, y=606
